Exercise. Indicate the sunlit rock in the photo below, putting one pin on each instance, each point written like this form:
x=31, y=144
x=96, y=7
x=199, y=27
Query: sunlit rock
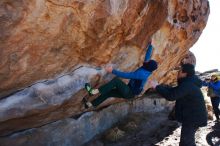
x=49, y=49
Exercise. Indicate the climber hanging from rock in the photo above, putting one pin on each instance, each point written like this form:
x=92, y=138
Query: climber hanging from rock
x=117, y=88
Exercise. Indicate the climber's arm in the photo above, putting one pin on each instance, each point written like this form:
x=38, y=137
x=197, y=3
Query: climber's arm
x=149, y=52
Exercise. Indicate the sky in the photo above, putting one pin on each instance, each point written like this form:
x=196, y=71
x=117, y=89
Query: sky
x=206, y=49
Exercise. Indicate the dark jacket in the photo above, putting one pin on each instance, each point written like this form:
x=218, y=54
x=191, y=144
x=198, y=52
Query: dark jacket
x=190, y=105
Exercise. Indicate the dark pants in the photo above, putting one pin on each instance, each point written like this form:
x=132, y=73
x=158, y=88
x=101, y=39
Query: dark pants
x=215, y=103
x=114, y=88
x=187, y=137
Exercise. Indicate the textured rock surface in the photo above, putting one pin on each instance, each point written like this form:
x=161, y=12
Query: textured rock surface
x=170, y=77
x=185, y=22
x=42, y=39
x=45, y=101
x=49, y=49
x=75, y=132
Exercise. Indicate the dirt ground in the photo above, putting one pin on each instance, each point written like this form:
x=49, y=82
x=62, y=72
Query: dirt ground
x=143, y=129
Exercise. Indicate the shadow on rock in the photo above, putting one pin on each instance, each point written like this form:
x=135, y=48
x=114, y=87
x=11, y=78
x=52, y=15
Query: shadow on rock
x=137, y=129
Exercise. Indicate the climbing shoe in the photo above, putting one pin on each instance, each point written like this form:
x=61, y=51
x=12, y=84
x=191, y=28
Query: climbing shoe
x=88, y=88
x=86, y=103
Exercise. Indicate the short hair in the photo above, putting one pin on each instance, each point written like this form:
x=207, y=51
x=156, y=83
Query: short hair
x=188, y=68
x=150, y=65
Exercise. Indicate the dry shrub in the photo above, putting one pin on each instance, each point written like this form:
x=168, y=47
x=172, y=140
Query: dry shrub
x=114, y=134
x=130, y=126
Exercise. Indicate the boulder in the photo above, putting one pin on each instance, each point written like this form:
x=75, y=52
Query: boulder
x=50, y=48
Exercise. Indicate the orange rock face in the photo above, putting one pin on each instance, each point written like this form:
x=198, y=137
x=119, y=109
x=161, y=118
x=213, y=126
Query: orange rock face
x=43, y=39
x=180, y=31
x=50, y=48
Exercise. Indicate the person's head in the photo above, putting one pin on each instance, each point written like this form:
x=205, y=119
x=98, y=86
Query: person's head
x=150, y=65
x=214, y=78
x=189, y=59
x=186, y=70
